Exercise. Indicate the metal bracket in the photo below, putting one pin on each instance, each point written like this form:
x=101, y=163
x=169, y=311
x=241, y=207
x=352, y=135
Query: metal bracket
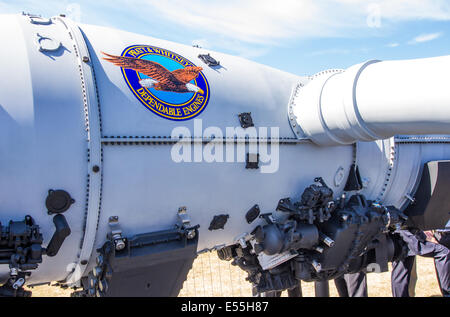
x=47, y=44
x=184, y=217
x=39, y=20
x=209, y=60
x=410, y=198
x=246, y=120
x=252, y=161
x=153, y=264
x=116, y=233
x=186, y=222
x=242, y=240
x=354, y=182
x=252, y=214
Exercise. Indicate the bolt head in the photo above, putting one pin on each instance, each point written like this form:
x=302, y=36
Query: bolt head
x=97, y=271
x=191, y=234
x=92, y=282
x=103, y=286
x=120, y=245
x=100, y=260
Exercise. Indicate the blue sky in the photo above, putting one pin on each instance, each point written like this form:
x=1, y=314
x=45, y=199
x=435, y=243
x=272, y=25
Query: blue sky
x=299, y=36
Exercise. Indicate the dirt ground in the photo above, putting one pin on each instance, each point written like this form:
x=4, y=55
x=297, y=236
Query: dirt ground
x=212, y=277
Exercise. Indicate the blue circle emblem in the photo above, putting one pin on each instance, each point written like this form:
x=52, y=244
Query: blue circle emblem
x=166, y=83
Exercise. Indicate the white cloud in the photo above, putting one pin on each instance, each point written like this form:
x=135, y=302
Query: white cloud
x=266, y=21
x=256, y=21
x=392, y=45
x=332, y=51
x=6, y=8
x=425, y=38
x=246, y=28
x=74, y=12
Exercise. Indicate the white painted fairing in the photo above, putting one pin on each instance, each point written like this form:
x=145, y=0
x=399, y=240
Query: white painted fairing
x=53, y=110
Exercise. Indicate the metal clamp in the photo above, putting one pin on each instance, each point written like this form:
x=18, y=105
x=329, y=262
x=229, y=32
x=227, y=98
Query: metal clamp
x=47, y=44
x=186, y=222
x=39, y=20
x=116, y=233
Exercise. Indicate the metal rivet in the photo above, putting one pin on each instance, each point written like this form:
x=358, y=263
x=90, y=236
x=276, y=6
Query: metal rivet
x=96, y=169
x=85, y=59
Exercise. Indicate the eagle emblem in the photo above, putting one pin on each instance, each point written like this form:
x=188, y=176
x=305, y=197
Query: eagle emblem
x=160, y=77
x=166, y=83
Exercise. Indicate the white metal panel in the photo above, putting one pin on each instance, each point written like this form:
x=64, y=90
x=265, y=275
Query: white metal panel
x=237, y=86
x=42, y=135
x=43, y=144
x=145, y=188
x=374, y=162
x=406, y=97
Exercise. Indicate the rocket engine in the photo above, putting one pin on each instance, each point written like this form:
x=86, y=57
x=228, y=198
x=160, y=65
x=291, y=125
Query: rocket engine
x=123, y=157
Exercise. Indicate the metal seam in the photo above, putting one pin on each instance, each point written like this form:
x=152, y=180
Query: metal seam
x=388, y=176
x=361, y=124
x=292, y=101
x=92, y=139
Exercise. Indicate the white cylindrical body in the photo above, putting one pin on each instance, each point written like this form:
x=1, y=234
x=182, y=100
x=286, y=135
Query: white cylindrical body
x=64, y=110
x=376, y=100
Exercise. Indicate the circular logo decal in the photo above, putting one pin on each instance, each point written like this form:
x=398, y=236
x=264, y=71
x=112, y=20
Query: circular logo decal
x=164, y=82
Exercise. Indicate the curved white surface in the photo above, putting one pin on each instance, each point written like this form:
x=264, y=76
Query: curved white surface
x=49, y=97
x=377, y=100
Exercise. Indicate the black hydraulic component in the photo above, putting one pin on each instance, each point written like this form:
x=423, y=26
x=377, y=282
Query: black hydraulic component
x=276, y=280
x=354, y=179
x=58, y=201
x=246, y=120
x=273, y=239
x=14, y=287
x=20, y=244
x=62, y=231
x=152, y=265
x=20, y=248
x=287, y=205
x=317, y=239
x=225, y=254
x=316, y=204
x=431, y=206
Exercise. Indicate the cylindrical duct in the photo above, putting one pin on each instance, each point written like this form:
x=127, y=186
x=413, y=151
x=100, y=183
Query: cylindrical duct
x=376, y=100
